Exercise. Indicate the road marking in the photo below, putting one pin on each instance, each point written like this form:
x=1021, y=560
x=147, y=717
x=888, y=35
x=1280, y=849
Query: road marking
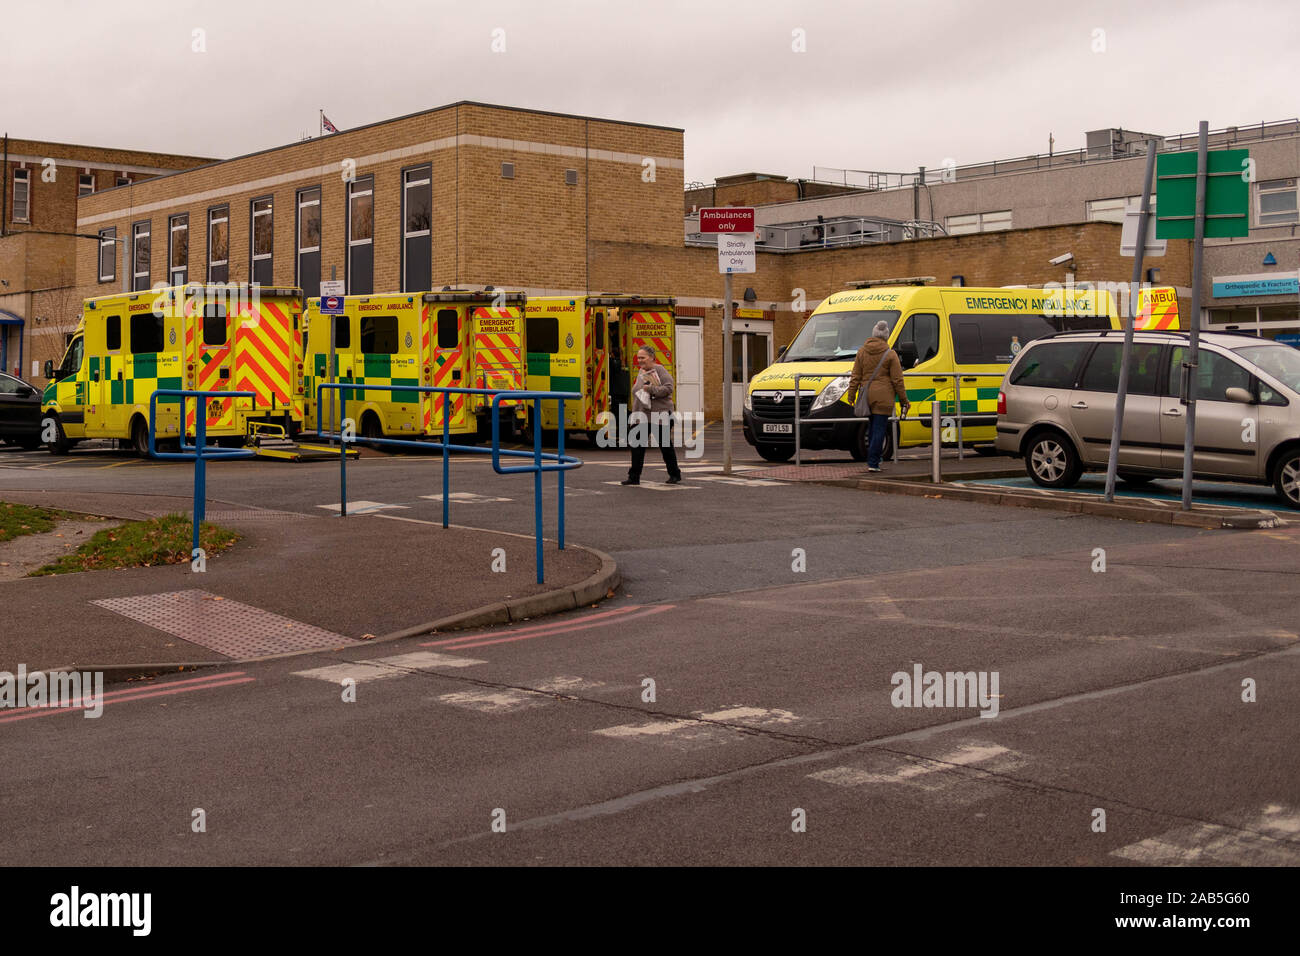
x=1267, y=839
x=933, y=775
x=499, y=701
x=733, y=480
x=568, y=685
x=170, y=688
x=706, y=729
x=465, y=497
x=382, y=668
x=550, y=632
x=540, y=628
x=359, y=507
x=659, y=486
x=884, y=608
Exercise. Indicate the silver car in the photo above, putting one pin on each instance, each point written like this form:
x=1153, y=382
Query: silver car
x=1056, y=409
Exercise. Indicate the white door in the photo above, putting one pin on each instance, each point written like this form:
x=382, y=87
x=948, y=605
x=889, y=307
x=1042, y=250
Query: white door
x=751, y=352
x=689, y=359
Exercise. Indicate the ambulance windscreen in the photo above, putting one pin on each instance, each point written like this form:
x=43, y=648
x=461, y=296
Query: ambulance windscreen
x=835, y=335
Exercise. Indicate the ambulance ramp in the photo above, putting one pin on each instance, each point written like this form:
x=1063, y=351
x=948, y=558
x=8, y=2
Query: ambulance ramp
x=270, y=441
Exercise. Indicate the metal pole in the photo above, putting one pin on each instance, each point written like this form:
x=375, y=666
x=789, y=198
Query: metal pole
x=797, y=459
x=1112, y=465
x=333, y=378
x=726, y=375
x=446, y=459
x=343, y=476
x=560, y=450
x=956, y=385
x=934, y=440
x=537, y=495
x=200, y=475
x=1189, y=367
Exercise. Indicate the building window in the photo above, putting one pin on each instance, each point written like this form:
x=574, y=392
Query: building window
x=85, y=184
x=361, y=236
x=140, y=257
x=22, y=204
x=308, y=240
x=219, y=244
x=417, y=228
x=178, y=250
x=123, y=181
x=1277, y=202
x=107, y=255
x=978, y=222
x=262, y=241
x=1107, y=210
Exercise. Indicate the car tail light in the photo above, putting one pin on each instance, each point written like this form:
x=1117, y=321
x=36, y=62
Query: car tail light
x=1002, y=402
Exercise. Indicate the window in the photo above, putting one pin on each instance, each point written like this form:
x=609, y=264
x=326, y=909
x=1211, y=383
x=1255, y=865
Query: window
x=308, y=239
x=1102, y=373
x=219, y=244
x=113, y=333
x=417, y=223
x=361, y=234
x=997, y=339
x=1215, y=374
x=1277, y=202
x=1107, y=210
x=214, y=323
x=262, y=241
x=178, y=249
x=448, y=329
x=140, y=259
x=85, y=184
x=978, y=222
x=146, y=333
x=507, y=170
x=342, y=332
x=22, y=204
x=543, y=332
x=379, y=335
x=107, y=254
x=836, y=334
x=1051, y=365
x=922, y=332
x=123, y=181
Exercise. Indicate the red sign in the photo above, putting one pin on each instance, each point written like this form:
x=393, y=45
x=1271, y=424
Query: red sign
x=727, y=219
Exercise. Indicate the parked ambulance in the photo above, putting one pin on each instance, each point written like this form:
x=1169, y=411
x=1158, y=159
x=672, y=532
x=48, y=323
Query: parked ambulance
x=954, y=341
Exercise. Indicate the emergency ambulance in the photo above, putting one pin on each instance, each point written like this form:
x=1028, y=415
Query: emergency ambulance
x=971, y=333
x=219, y=337
x=588, y=344
x=453, y=339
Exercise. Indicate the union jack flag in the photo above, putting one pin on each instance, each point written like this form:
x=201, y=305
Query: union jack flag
x=327, y=125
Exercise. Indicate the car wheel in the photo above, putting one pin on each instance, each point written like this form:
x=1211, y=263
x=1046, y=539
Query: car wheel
x=140, y=438
x=769, y=452
x=1286, y=478
x=60, y=445
x=1051, y=460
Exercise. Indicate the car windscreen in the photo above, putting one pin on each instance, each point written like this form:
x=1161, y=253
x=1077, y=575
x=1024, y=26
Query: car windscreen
x=1280, y=361
x=835, y=335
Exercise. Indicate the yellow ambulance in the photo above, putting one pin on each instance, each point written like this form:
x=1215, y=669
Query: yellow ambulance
x=940, y=334
x=452, y=339
x=218, y=337
x=587, y=344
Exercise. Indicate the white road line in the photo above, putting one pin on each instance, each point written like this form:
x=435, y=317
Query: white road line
x=499, y=701
x=659, y=486
x=385, y=667
x=360, y=507
x=916, y=772
x=693, y=732
x=467, y=497
x=568, y=685
x=1267, y=839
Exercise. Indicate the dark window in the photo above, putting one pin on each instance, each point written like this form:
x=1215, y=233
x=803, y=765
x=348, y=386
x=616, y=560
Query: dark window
x=21, y=209
x=1102, y=373
x=85, y=184
x=342, y=331
x=600, y=330
x=107, y=255
x=214, y=324
x=417, y=222
x=308, y=266
x=543, y=332
x=146, y=333
x=379, y=335
x=1051, y=365
x=997, y=339
x=921, y=331
x=219, y=244
x=178, y=257
x=113, y=333
x=140, y=257
x=1215, y=374
x=262, y=240
x=361, y=235
x=448, y=329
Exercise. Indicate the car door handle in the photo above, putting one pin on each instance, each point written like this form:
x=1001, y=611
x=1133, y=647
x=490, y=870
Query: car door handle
x=969, y=378
x=1079, y=405
x=1173, y=413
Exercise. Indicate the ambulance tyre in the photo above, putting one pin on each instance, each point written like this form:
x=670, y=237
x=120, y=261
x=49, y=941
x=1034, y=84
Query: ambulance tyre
x=770, y=452
x=140, y=437
x=862, y=438
x=60, y=445
x=371, y=429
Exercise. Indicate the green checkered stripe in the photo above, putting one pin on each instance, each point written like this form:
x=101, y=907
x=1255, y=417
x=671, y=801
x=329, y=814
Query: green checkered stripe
x=539, y=366
x=984, y=402
x=137, y=383
x=375, y=370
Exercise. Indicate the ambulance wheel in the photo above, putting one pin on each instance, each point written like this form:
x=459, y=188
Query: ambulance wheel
x=371, y=429
x=140, y=437
x=770, y=452
x=29, y=444
x=60, y=445
x=862, y=438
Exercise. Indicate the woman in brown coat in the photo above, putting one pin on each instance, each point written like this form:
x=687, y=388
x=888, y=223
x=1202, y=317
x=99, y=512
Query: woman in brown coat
x=878, y=370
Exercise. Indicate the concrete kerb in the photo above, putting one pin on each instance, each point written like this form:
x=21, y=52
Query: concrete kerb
x=1130, y=510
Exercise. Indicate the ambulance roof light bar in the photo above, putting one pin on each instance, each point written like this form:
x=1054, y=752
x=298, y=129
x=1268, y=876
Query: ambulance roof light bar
x=906, y=280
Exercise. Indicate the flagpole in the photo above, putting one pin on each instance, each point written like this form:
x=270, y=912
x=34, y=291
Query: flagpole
x=322, y=122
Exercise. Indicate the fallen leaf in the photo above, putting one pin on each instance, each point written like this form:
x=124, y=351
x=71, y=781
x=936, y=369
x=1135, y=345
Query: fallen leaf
x=367, y=637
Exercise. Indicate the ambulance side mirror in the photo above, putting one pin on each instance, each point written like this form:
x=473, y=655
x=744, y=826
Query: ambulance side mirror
x=907, y=354
x=49, y=368
x=781, y=352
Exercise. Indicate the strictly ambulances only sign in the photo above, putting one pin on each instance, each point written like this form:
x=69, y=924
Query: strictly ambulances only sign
x=727, y=219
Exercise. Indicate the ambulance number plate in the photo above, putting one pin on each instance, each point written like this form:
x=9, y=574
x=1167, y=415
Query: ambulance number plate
x=779, y=429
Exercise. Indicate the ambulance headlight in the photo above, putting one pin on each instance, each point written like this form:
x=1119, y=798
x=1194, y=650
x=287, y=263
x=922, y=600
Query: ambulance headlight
x=832, y=393
x=749, y=401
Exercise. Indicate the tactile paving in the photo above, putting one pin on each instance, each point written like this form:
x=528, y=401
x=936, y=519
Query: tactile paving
x=222, y=625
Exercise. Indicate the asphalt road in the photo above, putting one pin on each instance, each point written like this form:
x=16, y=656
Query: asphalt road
x=773, y=698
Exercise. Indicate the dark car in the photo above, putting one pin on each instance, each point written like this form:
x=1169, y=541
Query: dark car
x=20, y=413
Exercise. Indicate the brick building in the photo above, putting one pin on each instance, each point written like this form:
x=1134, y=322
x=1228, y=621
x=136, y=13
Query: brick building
x=40, y=186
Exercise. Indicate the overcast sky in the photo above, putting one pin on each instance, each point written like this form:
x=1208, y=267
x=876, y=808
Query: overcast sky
x=880, y=85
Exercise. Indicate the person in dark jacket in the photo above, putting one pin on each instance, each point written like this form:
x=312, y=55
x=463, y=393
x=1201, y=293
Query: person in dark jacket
x=652, y=396
x=878, y=370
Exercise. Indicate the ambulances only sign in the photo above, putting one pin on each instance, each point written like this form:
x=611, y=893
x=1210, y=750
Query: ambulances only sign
x=727, y=219
x=736, y=253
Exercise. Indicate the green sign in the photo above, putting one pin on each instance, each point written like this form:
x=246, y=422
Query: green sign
x=1227, y=194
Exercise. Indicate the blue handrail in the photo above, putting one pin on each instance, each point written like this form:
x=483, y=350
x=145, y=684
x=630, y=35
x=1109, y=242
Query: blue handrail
x=562, y=462
x=200, y=450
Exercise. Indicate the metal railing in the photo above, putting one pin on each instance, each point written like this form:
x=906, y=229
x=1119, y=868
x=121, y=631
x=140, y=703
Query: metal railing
x=560, y=461
x=200, y=450
x=896, y=420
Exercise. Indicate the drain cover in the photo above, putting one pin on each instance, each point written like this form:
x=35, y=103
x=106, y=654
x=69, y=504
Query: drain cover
x=222, y=625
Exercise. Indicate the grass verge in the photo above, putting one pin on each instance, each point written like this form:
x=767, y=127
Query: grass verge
x=18, y=520
x=142, y=544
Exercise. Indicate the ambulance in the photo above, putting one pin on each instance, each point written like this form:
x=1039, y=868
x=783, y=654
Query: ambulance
x=588, y=344
x=453, y=339
x=219, y=337
x=938, y=333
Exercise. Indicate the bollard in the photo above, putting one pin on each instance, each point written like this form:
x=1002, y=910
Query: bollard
x=934, y=442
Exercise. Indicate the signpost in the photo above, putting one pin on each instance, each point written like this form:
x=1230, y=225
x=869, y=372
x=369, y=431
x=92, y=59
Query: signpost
x=736, y=253
x=1200, y=194
x=331, y=304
